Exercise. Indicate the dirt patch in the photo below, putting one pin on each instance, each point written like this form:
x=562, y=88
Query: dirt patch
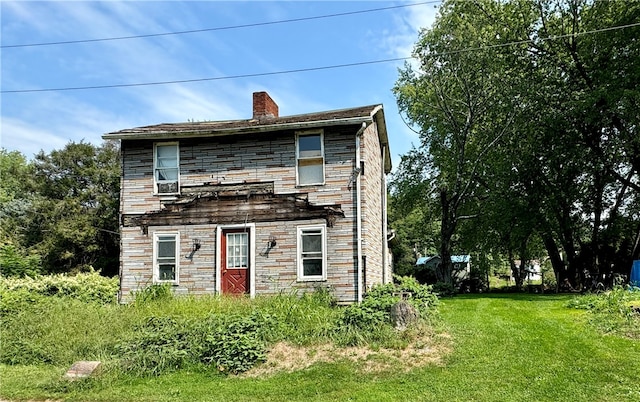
x=284, y=357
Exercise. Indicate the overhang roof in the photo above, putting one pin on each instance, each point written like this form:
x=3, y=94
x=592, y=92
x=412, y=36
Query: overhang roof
x=341, y=117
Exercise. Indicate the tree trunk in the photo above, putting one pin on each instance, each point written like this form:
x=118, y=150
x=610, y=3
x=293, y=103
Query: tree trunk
x=524, y=260
x=446, y=233
x=635, y=254
x=554, y=254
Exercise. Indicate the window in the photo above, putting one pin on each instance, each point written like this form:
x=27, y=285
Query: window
x=310, y=157
x=165, y=256
x=311, y=253
x=166, y=168
x=237, y=250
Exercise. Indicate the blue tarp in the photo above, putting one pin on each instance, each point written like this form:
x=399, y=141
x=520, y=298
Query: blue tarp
x=634, y=280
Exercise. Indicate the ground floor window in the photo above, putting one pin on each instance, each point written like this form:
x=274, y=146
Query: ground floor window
x=312, y=261
x=165, y=257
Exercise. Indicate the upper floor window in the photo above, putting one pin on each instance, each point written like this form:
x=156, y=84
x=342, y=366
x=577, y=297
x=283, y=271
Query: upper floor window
x=310, y=157
x=166, y=163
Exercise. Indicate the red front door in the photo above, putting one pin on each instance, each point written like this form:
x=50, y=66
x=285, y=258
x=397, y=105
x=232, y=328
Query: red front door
x=234, y=261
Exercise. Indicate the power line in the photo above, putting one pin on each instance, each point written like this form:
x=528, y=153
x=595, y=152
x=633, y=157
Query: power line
x=300, y=70
x=257, y=24
x=228, y=77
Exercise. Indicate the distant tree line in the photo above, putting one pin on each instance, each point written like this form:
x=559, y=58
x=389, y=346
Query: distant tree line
x=59, y=211
x=527, y=113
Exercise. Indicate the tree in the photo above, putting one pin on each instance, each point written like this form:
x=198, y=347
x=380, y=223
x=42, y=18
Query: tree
x=17, y=199
x=454, y=99
x=76, y=220
x=527, y=112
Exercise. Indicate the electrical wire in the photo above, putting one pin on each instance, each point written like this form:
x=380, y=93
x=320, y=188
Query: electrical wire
x=228, y=77
x=257, y=24
x=335, y=66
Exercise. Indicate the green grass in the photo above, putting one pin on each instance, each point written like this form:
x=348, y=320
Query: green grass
x=503, y=348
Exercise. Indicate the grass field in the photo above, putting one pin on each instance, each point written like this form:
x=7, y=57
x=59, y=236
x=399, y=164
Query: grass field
x=491, y=348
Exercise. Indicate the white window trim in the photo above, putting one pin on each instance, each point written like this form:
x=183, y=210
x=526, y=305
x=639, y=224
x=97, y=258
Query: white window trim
x=298, y=158
x=156, y=268
x=155, y=167
x=323, y=231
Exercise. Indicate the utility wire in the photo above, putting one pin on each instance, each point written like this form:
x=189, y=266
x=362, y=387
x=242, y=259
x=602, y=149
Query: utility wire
x=228, y=77
x=257, y=24
x=335, y=66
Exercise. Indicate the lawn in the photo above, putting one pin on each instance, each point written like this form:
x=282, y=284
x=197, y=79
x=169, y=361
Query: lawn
x=493, y=348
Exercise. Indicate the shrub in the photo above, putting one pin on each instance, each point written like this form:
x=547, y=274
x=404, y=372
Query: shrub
x=444, y=289
x=58, y=319
x=13, y=263
x=371, y=319
x=232, y=344
x=86, y=287
x=612, y=311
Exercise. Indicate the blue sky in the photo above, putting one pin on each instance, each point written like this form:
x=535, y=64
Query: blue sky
x=34, y=121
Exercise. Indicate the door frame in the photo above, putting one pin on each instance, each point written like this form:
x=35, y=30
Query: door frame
x=251, y=229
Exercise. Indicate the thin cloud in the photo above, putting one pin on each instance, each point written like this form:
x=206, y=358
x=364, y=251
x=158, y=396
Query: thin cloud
x=18, y=134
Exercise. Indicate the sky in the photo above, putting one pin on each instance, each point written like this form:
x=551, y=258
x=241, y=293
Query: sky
x=240, y=48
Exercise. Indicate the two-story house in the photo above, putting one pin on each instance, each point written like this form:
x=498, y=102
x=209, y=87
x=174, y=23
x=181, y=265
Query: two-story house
x=256, y=206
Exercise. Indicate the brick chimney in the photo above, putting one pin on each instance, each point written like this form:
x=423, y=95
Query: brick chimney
x=263, y=106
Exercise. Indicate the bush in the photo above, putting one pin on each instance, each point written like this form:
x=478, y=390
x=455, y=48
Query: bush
x=612, y=311
x=233, y=344
x=86, y=287
x=47, y=321
x=374, y=313
x=444, y=289
x=16, y=264
x=59, y=319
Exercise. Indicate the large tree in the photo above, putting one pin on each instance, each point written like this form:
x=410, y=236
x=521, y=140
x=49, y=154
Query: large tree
x=78, y=212
x=59, y=212
x=455, y=98
x=528, y=115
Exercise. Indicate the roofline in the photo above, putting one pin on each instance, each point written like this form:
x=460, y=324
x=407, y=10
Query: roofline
x=217, y=132
x=376, y=115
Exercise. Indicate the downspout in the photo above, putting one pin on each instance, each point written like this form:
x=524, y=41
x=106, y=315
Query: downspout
x=359, y=286
x=385, y=243
x=120, y=225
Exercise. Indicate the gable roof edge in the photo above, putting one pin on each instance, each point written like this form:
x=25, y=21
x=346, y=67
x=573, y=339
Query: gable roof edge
x=377, y=114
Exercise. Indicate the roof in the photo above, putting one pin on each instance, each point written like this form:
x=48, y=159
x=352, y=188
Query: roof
x=454, y=259
x=424, y=260
x=350, y=116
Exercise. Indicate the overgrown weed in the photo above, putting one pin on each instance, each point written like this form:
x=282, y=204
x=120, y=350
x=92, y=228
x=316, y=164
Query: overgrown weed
x=160, y=332
x=613, y=311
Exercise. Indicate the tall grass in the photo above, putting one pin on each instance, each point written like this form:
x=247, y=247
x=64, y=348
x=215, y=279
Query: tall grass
x=59, y=319
x=614, y=311
x=58, y=324
x=60, y=331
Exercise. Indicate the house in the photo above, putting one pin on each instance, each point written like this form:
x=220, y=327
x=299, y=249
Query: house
x=461, y=267
x=532, y=270
x=256, y=206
